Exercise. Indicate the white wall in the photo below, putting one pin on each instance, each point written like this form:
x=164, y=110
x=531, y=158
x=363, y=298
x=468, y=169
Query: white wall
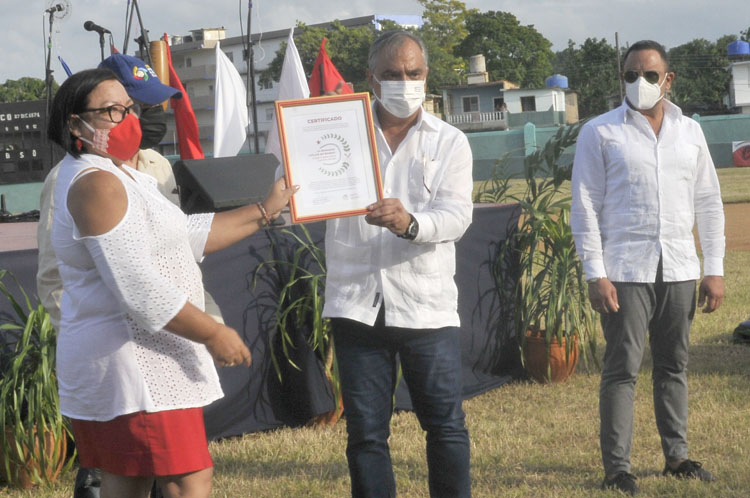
x=740, y=85
x=546, y=98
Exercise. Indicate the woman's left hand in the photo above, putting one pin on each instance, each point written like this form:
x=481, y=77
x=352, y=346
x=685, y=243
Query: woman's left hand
x=278, y=197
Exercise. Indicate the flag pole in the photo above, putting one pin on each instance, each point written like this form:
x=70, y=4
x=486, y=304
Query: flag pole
x=251, y=103
x=322, y=73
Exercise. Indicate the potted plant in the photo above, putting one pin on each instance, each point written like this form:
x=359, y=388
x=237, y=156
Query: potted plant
x=33, y=440
x=297, y=272
x=537, y=272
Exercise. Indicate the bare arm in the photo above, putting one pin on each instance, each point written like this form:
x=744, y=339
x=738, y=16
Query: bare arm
x=98, y=202
x=224, y=344
x=232, y=226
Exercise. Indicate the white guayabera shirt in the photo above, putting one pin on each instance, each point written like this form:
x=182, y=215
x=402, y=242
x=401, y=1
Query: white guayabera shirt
x=637, y=197
x=431, y=173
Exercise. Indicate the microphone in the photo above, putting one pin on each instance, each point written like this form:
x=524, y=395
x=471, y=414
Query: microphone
x=55, y=8
x=91, y=26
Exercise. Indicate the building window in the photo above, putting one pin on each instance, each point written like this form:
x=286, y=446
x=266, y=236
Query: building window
x=528, y=104
x=230, y=56
x=269, y=113
x=499, y=104
x=266, y=85
x=470, y=104
x=188, y=62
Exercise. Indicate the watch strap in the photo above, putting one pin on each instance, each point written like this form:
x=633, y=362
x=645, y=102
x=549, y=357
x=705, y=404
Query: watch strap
x=411, y=230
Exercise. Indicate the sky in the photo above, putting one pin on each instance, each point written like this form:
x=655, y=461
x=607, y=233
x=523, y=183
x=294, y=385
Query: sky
x=25, y=26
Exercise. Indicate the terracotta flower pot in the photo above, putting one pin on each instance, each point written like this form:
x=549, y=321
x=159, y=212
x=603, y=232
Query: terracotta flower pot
x=535, y=355
x=327, y=419
x=21, y=476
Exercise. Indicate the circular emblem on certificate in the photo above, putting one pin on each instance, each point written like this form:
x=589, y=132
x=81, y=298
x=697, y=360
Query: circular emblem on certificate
x=332, y=154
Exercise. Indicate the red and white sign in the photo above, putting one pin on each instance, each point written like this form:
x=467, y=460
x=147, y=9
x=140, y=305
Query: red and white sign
x=741, y=153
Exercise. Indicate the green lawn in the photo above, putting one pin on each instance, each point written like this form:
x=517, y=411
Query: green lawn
x=531, y=440
x=735, y=185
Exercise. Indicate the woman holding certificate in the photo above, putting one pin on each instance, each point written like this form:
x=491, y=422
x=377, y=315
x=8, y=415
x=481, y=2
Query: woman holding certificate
x=136, y=352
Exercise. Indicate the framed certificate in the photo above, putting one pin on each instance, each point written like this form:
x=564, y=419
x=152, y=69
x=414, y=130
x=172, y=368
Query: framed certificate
x=328, y=146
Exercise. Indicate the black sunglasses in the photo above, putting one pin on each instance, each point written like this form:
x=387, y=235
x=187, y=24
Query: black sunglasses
x=117, y=112
x=650, y=76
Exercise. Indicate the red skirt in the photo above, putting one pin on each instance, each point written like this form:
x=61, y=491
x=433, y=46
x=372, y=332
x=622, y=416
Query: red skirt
x=145, y=444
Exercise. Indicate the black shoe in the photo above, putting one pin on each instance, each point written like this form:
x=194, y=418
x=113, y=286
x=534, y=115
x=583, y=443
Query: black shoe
x=690, y=469
x=741, y=334
x=88, y=482
x=622, y=481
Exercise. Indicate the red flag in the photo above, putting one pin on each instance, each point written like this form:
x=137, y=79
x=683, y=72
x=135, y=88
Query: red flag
x=325, y=77
x=187, y=125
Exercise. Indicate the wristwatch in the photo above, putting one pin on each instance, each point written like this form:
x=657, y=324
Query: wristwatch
x=593, y=280
x=411, y=230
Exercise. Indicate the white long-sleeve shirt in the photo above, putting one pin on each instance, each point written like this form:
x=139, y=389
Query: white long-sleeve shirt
x=637, y=197
x=431, y=173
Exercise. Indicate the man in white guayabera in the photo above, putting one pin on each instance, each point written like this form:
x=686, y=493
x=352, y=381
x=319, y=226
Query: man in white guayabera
x=642, y=178
x=390, y=289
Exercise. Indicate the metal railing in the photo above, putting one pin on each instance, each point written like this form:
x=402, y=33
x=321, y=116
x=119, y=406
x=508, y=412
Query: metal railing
x=476, y=117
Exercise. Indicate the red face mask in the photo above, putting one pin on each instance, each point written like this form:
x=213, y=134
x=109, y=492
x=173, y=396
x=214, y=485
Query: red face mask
x=121, y=142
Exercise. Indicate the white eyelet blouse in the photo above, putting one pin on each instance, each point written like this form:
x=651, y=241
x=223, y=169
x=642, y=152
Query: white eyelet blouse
x=120, y=289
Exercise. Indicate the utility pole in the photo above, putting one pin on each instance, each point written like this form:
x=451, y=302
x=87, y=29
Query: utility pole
x=251, y=103
x=619, y=71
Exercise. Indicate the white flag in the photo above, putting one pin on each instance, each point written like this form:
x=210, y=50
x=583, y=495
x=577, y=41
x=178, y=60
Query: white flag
x=292, y=85
x=230, y=108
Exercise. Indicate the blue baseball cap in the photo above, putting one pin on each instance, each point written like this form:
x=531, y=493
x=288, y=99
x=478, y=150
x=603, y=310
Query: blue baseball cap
x=139, y=80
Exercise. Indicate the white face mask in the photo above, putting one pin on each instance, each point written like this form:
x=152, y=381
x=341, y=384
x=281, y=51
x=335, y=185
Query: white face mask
x=644, y=95
x=401, y=98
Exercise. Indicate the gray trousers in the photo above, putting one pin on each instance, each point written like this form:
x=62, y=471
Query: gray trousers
x=665, y=311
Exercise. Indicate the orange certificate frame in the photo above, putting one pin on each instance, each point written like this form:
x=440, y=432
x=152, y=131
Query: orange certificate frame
x=328, y=148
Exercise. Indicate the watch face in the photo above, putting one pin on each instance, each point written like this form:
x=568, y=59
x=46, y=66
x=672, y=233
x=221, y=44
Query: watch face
x=411, y=230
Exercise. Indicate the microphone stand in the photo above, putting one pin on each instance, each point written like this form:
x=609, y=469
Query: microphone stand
x=48, y=80
x=101, y=44
x=143, y=42
x=251, y=80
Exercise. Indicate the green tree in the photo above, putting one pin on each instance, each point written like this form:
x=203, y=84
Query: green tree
x=347, y=48
x=512, y=52
x=591, y=70
x=442, y=31
x=701, y=78
x=24, y=89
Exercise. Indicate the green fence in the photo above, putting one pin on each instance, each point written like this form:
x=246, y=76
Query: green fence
x=489, y=146
x=721, y=131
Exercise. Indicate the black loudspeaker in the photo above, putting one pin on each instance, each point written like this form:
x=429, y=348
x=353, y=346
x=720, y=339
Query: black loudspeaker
x=217, y=184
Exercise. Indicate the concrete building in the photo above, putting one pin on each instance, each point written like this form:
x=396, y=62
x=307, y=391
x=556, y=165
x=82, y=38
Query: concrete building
x=483, y=105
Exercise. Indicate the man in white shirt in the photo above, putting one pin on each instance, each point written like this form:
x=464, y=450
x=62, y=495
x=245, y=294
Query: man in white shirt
x=642, y=178
x=390, y=286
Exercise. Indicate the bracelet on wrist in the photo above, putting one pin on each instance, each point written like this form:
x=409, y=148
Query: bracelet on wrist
x=264, y=214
